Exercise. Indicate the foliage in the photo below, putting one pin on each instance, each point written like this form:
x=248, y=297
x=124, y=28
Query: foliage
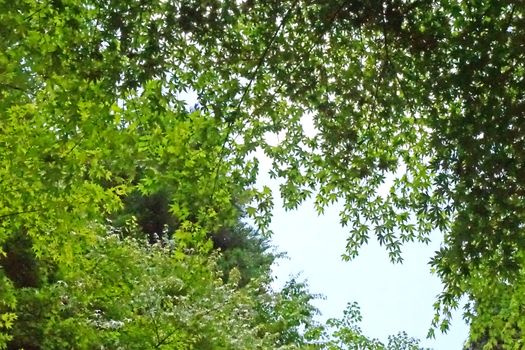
x=125, y=293
x=502, y=309
x=245, y=249
x=241, y=246
x=418, y=108
x=290, y=315
x=348, y=335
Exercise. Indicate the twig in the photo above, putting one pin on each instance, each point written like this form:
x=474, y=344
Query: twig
x=245, y=93
x=20, y=213
x=14, y=87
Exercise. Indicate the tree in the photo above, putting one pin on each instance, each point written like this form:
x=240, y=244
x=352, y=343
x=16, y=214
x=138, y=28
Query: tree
x=127, y=293
x=348, y=335
x=72, y=143
x=427, y=92
x=241, y=246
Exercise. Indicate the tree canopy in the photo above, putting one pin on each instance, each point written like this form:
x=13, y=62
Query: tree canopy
x=424, y=98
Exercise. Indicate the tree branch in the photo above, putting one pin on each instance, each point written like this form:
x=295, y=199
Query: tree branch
x=20, y=213
x=245, y=93
x=11, y=86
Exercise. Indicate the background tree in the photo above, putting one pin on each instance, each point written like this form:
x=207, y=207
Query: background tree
x=241, y=246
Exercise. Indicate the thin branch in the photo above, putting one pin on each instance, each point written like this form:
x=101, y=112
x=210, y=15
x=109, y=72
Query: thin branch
x=20, y=213
x=265, y=53
x=14, y=87
x=245, y=93
x=330, y=22
x=35, y=12
x=164, y=339
x=80, y=139
x=156, y=329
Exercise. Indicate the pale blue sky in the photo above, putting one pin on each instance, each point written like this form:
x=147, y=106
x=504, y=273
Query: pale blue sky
x=392, y=297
